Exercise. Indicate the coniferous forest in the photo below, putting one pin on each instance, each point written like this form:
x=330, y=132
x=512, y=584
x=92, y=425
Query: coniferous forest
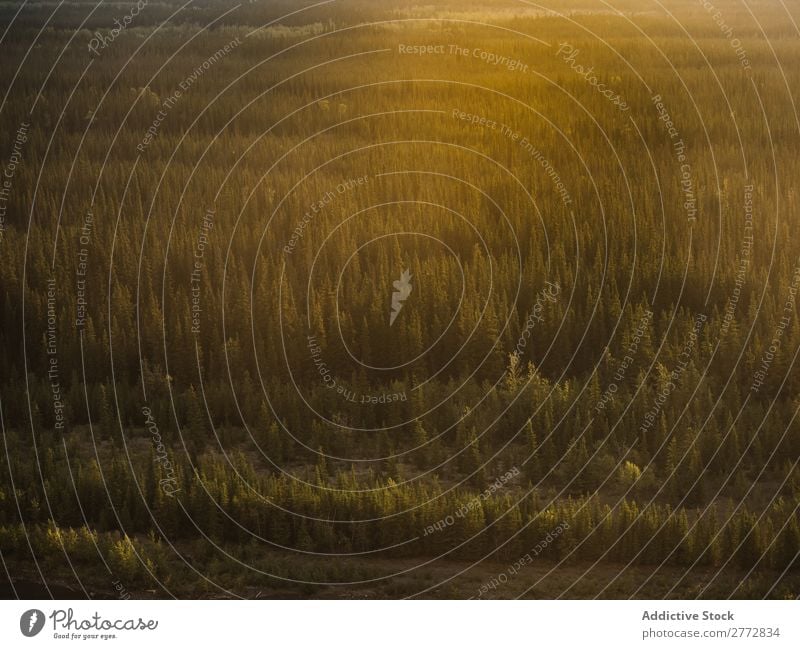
x=357, y=299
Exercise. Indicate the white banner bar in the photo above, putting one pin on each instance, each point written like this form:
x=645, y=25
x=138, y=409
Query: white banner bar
x=396, y=624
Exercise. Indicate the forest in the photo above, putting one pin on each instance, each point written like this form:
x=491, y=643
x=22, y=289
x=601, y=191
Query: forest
x=383, y=299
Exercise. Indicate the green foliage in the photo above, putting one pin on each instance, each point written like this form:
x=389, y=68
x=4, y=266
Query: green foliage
x=252, y=448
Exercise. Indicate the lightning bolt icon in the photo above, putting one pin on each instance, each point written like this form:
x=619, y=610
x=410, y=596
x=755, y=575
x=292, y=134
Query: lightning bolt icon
x=403, y=290
x=32, y=621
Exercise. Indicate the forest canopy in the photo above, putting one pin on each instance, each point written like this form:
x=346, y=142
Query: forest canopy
x=377, y=299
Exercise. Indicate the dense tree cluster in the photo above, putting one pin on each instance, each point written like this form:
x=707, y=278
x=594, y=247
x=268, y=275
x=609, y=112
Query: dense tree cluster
x=215, y=240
